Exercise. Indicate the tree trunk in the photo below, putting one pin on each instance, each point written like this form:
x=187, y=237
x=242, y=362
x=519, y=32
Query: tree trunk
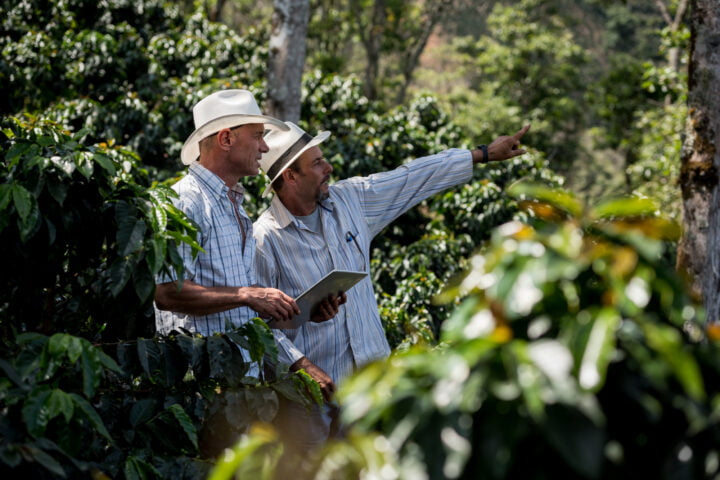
x=409, y=61
x=214, y=12
x=287, y=58
x=673, y=23
x=699, y=249
x=371, y=37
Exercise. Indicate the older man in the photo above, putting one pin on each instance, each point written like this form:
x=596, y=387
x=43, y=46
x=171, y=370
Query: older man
x=219, y=285
x=312, y=228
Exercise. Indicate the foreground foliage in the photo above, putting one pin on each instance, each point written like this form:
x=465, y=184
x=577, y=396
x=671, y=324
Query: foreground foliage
x=84, y=235
x=576, y=354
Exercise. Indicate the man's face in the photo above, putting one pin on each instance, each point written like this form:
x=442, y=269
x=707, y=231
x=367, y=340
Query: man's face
x=314, y=174
x=247, y=149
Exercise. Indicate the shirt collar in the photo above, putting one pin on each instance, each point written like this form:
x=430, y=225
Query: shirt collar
x=282, y=215
x=214, y=183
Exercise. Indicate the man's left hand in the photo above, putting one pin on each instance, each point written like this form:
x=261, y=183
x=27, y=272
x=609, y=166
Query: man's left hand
x=328, y=308
x=502, y=148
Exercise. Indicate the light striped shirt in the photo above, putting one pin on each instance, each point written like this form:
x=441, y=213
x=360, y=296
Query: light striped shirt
x=291, y=256
x=204, y=198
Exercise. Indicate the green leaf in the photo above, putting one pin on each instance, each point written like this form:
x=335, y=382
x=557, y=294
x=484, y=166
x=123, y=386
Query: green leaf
x=219, y=355
x=155, y=255
x=576, y=438
x=131, y=230
x=91, y=369
x=598, y=349
x=105, y=163
x=142, y=411
x=108, y=362
x=91, y=415
x=149, y=355
x=193, y=349
x=257, y=338
x=625, y=207
x=144, y=283
x=84, y=163
x=558, y=198
x=185, y=422
x=292, y=389
x=241, y=454
x=58, y=190
x=669, y=344
x=6, y=192
x=11, y=373
x=135, y=468
x=23, y=201
x=36, y=413
x=60, y=403
x=234, y=366
x=44, y=459
x=17, y=150
x=303, y=379
x=118, y=275
x=30, y=224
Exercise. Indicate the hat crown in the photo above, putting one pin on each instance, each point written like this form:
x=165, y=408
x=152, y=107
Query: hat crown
x=223, y=103
x=280, y=142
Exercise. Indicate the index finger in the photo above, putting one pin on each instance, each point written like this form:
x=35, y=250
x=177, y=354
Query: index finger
x=521, y=132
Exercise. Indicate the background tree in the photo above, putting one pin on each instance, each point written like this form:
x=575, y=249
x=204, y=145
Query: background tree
x=287, y=58
x=698, y=250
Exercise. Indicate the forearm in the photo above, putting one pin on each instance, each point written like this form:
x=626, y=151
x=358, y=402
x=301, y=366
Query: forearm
x=194, y=299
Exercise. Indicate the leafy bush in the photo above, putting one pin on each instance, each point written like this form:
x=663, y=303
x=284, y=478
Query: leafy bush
x=576, y=353
x=146, y=408
x=129, y=71
x=83, y=234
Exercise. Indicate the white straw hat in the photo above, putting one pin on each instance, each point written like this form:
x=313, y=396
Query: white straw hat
x=286, y=146
x=223, y=109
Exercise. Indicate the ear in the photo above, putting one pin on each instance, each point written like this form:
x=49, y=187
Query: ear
x=288, y=175
x=224, y=139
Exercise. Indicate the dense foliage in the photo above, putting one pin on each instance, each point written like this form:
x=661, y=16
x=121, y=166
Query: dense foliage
x=576, y=353
x=127, y=70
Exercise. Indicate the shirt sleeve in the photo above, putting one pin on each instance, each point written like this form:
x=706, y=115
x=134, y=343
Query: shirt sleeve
x=265, y=268
x=387, y=195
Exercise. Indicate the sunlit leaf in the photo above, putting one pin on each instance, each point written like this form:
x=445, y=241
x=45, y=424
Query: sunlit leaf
x=598, y=349
x=558, y=198
x=624, y=207
x=242, y=454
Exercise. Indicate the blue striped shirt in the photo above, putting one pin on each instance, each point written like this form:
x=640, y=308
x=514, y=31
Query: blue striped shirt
x=291, y=257
x=204, y=198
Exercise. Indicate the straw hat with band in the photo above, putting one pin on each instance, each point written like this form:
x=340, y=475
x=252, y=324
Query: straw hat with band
x=286, y=147
x=223, y=109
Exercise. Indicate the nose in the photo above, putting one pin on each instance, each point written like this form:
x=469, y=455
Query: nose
x=328, y=168
x=264, y=146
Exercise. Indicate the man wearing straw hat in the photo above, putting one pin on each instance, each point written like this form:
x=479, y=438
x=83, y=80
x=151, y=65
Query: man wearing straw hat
x=219, y=285
x=312, y=228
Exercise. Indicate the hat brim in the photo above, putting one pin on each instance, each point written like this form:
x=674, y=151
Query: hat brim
x=317, y=140
x=191, y=148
